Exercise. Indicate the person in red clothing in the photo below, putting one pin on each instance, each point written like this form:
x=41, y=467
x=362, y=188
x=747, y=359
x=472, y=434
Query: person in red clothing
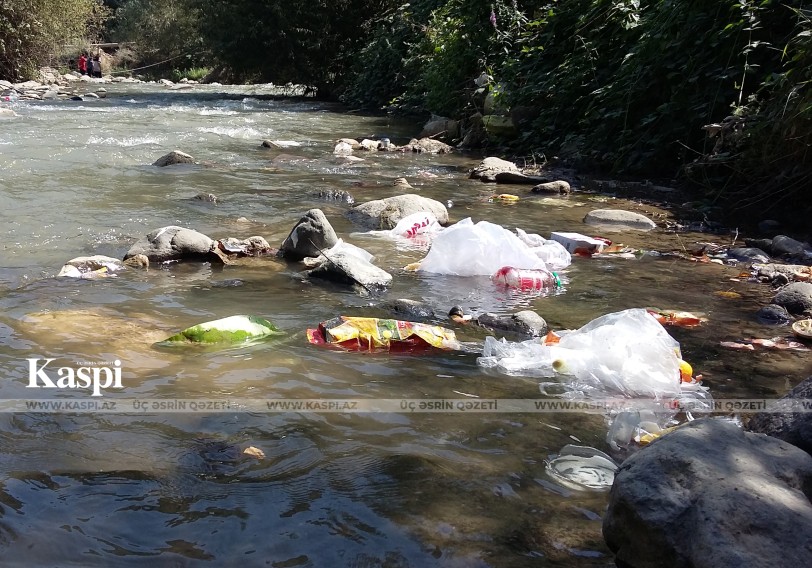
x=83, y=64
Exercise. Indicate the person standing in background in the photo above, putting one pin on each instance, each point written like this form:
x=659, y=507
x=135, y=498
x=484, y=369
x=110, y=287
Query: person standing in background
x=82, y=64
x=97, y=67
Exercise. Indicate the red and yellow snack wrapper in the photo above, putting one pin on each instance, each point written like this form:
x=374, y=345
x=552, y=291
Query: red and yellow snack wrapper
x=372, y=334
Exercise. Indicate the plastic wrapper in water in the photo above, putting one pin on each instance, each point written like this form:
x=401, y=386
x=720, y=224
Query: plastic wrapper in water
x=372, y=334
x=582, y=467
x=626, y=352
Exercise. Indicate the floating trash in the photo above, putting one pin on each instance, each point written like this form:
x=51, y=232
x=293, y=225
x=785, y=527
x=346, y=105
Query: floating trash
x=234, y=329
x=582, y=467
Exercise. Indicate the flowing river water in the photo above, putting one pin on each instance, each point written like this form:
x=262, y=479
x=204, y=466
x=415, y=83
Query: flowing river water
x=334, y=489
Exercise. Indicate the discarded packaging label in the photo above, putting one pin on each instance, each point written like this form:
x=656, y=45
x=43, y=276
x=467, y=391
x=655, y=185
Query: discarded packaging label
x=234, y=329
x=372, y=334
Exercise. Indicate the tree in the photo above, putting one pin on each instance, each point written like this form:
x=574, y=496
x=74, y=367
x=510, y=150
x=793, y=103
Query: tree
x=31, y=31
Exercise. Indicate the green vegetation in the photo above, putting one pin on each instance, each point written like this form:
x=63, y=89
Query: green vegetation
x=32, y=31
x=625, y=86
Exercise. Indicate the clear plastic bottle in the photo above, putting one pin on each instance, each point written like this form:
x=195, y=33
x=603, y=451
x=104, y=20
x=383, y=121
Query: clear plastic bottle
x=526, y=278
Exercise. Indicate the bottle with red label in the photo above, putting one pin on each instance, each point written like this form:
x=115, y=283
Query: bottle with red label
x=526, y=278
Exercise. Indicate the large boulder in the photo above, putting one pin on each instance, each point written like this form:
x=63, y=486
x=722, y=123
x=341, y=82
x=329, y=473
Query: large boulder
x=783, y=245
x=350, y=269
x=441, y=126
x=620, y=219
x=311, y=235
x=793, y=427
x=710, y=495
x=385, y=213
x=172, y=158
x=173, y=243
x=796, y=297
x=488, y=169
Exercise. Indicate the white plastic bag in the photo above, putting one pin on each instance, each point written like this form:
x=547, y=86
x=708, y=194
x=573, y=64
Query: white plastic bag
x=553, y=253
x=626, y=352
x=420, y=223
x=351, y=250
x=468, y=249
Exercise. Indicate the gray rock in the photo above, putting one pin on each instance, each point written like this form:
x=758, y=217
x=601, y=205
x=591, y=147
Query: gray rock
x=311, y=235
x=764, y=244
x=172, y=158
x=709, y=495
x=785, y=245
x=409, y=309
x=334, y=195
x=490, y=167
x=748, y=254
x=796, y=297
x=559, y=186
x=7, y=113
x=349, y=269
x=385, y=213
x=773, y=314
x=173, y=243
x=526, y=322
x=620, y=219
x=206, y=197
x=792, y=427
x=252, y=246
x=518, y=178
x=440, y=125
x=427, y=145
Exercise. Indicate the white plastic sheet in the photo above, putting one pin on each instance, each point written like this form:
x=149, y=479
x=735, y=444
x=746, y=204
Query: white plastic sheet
x=468, y=249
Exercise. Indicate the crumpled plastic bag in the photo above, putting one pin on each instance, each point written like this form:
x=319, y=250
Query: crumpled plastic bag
x=413, y=231
x=625, y=352
x=468, y=249
x=553, y=253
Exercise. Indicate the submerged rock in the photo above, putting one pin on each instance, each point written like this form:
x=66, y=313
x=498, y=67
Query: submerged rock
x=172, y=158
x=409, y=309
x=311, y=235
x=206, y=198
x=620, y=219
x=527, y=323
x=555, y=187
x=173, y=243
x=709, y=495
x=386, y=213
x=773, y=314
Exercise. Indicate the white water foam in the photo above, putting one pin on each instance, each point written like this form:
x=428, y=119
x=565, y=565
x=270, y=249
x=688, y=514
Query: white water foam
x=130, y=141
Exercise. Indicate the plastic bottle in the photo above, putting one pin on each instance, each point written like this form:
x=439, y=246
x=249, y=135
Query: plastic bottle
x=526, y=279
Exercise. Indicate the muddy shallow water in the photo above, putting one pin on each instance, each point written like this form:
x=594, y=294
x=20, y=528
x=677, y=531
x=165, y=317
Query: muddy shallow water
x=382, y=489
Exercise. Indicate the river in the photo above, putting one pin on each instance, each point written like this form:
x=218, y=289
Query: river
x=334, y=489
